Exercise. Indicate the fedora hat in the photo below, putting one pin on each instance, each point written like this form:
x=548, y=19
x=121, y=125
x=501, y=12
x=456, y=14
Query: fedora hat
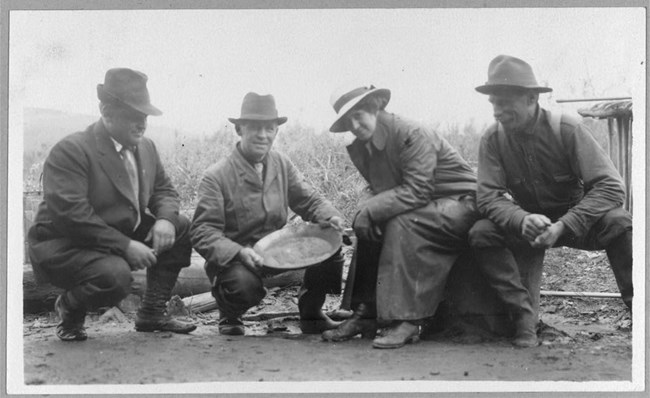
x=258, y=107
x=128, y=87
x=343, y=100
x=507, y=72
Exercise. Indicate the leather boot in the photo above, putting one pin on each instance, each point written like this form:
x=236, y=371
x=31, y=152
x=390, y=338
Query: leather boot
x=230, y=325
x=361, y=322
x=526, y=334
x=152, y=314
x=401, y=333
x=619, y=254
x=72, y=316
x=312, y=318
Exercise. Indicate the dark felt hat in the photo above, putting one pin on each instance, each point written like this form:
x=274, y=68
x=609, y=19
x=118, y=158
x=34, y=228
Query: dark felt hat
x=258, y=107
x=509, y=72
x=128, y=87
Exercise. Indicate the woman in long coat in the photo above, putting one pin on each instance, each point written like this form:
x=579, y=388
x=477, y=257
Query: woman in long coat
x=412, y=224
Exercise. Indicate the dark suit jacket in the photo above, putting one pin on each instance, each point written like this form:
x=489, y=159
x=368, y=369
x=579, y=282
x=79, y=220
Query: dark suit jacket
x=87, y=196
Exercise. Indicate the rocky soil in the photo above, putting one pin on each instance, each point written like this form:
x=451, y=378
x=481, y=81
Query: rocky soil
x=582, y=339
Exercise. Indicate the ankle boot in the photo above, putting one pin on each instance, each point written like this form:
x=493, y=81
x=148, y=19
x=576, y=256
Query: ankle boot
x=526, y=334
x=312, y=318
x=361, y=322
x=231, y=325
x=399, y=334
x=72, y=316
x=152, y=314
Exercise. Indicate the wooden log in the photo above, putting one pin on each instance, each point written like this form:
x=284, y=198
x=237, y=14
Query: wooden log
x=472, y=300
x=191, y=280
x=205, y=302
x=39, y=296
x=202, y=302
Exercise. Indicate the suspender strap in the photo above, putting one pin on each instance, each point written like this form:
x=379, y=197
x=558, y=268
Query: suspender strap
x=555, y=119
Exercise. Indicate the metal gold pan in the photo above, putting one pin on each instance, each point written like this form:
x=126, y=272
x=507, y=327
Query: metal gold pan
x=298, y=246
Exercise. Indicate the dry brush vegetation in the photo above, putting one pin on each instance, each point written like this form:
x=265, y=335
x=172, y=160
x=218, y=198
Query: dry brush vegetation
x=319, y=155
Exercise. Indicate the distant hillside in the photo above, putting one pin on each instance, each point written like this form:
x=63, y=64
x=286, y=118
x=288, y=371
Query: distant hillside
x=44, y=127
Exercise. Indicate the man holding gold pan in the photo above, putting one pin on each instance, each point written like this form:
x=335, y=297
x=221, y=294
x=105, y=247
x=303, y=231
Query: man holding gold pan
x=246, y=197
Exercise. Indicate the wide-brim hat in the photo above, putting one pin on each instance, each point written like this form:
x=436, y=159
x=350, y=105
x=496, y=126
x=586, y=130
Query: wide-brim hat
x=509, y=72
x=128, y=87
x=343, y=100
x=258, y=107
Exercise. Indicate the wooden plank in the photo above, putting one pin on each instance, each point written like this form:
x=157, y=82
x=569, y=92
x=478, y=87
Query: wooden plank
x=579, y=294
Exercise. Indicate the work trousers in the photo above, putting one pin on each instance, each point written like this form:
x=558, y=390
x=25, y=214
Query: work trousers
x=612, y=233
x=96, y=278
x=236, y=288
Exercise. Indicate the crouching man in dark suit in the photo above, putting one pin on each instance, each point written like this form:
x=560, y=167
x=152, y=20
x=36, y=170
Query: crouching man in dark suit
x=109, y=209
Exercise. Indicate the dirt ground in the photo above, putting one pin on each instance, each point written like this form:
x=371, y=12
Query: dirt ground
x=582, y=339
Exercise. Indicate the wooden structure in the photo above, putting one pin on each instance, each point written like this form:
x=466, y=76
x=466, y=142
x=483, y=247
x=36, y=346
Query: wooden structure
x=40, y=295
x=618, y=112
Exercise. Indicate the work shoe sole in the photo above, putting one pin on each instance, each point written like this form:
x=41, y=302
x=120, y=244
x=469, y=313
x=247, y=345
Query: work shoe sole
x=70, y=334
x=525, y=342
x=232, y=330
x=317, y=326
x=398, y=335
x=168, y=326
x=329, y=336
x=350, y=329
x=231, y=326
x=381, y=345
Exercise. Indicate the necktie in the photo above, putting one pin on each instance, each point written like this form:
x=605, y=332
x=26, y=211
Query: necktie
x=259, y=169
x=131, y=170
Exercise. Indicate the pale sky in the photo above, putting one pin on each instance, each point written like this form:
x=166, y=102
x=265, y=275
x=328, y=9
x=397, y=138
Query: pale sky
x=200, y=63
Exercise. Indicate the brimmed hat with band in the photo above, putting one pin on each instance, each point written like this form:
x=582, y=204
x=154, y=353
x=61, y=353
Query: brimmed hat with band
x=128, y=87
x=258, y=107
x=509, y=72
x=344, y=100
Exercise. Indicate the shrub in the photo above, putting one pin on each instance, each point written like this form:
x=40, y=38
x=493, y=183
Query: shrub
x=323, y=160
x=189, y=157
x=320, y=156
